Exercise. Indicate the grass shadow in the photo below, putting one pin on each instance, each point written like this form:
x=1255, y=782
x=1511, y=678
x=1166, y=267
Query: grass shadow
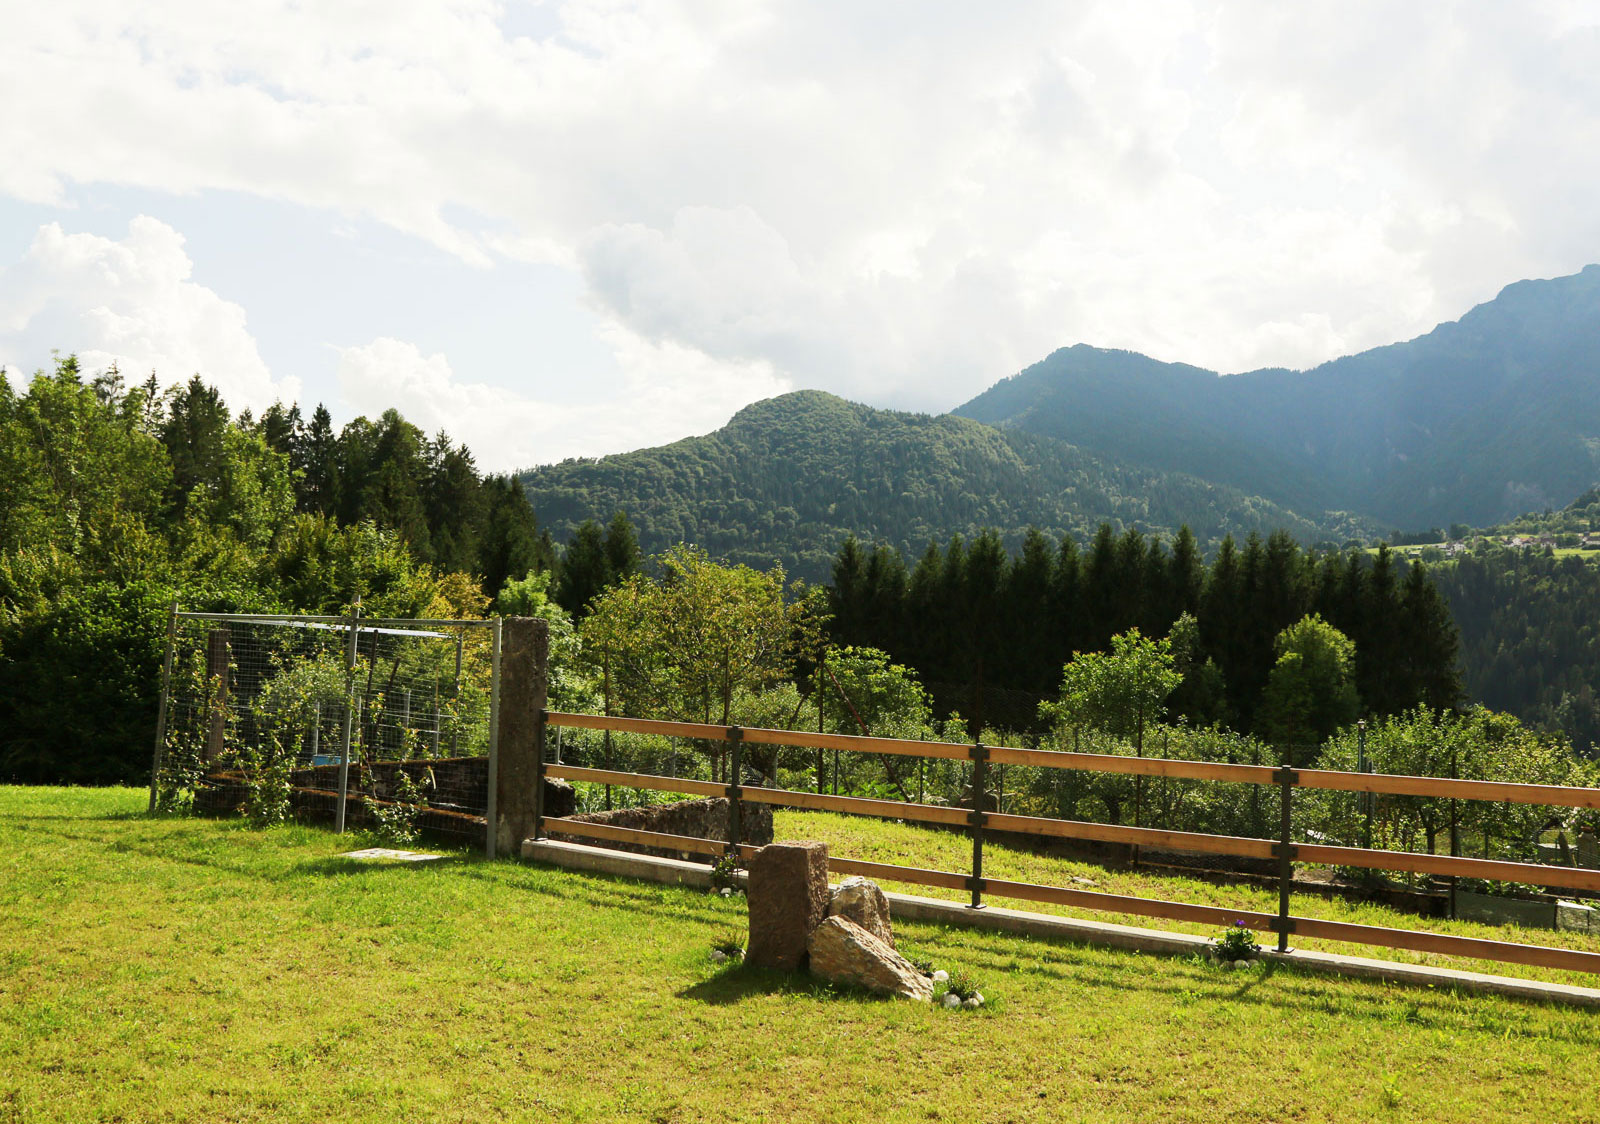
x=736, y=984
x=339, y=866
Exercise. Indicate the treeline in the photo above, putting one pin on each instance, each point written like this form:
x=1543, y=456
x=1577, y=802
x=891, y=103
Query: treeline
x=426, y=490
x=116, y=500
x=1530, y=635
x=974, y=615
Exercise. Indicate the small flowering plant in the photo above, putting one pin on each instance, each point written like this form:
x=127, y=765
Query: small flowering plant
x=1237, y=942
x=961, y=985
x=727, y=947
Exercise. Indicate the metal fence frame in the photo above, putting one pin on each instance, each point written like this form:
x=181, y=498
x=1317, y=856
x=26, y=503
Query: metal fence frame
x=1282, y=849
x=354, y=624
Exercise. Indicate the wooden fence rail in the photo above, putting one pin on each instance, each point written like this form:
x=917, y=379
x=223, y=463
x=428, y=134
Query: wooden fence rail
x=1282, y=849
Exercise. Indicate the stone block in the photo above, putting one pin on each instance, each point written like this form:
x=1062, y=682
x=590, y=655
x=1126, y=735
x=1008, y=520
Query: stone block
x=1496, y=910
x=1577, y=917
x=858, y=899
x=788, y=894
x=844, y=953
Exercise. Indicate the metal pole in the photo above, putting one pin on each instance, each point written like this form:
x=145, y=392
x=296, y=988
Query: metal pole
x=1366, y=798
x=161, y=709
x=605, y=734
x=494, y=745
x=735, y=816
x=349, y=713
x=821, y=753
x=980, y=761
x=1138, y=793
x=435, y=718
x=455, y=697
x=1455, y=835
x=1286, y=778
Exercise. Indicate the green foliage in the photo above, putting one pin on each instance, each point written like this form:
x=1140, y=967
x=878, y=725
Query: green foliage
x=1530, y=635
x=975, y=623
x=865, y=691
x=1120, y=692
x=690, y=642
x=1311, y=690
x=960, y=984
x=115, y=501
x=1237, y=942
x=290, y=701
x=722, y=872
x=396, y=819
x=1477, y=744
x=79, y=679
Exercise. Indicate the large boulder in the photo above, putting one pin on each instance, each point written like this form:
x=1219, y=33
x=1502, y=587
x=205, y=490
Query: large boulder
x=845, y=953
x=858, y=899
x=788, y=892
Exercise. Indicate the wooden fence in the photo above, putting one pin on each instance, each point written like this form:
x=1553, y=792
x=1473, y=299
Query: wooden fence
x=1282, y=849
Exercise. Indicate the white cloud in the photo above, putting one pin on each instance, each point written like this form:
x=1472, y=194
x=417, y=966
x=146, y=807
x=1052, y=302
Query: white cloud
x=129, y=302
x=669, y=391
x=897, y=203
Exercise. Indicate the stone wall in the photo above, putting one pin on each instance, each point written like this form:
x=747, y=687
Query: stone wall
x=458, y=784
x=455, y=789
x=700, y=819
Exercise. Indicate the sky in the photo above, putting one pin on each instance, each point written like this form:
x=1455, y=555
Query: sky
x=568, y=229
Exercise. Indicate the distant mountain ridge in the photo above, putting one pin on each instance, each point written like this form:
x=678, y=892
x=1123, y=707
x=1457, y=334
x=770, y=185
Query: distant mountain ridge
x=1477, y=421
x=789, y=477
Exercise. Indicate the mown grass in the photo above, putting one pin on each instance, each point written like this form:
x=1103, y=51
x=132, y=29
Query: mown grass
x=911, y=845
x=155, y=970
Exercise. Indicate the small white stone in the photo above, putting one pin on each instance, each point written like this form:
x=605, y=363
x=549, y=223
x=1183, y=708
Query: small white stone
x=718, y=956
x=951, y=999
x=1239, y=965
x=727, y=892
x=979, y=997
x=940, y=976
x=973, y=1003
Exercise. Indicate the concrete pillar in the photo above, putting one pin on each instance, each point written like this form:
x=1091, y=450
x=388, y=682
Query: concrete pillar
x=524, y=686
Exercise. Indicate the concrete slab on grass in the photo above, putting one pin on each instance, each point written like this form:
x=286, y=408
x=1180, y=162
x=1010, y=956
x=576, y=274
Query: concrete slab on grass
x=376, y=854
x=938, y=911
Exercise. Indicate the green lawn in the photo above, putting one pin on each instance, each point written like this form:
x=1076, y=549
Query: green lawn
x=910, y=845
x=196, y=970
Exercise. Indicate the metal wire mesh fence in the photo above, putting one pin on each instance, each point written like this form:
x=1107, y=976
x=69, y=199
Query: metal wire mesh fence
x=384, y=723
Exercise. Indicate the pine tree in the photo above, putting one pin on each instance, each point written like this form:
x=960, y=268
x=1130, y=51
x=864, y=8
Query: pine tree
x=194, y=435
x=622, y=549
x=315, y=454
x=584, y=570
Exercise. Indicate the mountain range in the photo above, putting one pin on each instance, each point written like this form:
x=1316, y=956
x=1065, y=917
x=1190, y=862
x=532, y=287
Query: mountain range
x=1478, y=420
x=1481, y=419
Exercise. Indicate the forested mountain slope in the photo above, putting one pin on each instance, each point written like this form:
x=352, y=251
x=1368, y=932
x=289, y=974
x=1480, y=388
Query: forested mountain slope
x=1476, y=421
x=788, y=478
x=1530, y=635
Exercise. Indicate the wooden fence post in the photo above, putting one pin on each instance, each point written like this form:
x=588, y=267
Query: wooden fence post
x=516, y=780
